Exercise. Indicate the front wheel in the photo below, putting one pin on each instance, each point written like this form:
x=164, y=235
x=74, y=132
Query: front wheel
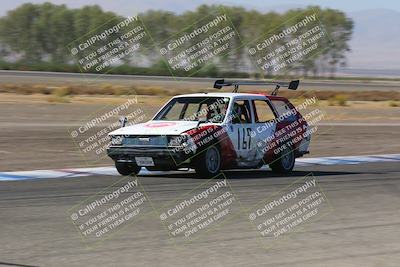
x=208, y=163
x=127, y=168
x=285, y=162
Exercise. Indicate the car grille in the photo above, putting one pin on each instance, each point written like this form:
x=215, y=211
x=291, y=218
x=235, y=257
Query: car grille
x=139, y=140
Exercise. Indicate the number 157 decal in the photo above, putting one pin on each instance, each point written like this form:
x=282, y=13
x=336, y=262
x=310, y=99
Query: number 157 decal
x=244, y=138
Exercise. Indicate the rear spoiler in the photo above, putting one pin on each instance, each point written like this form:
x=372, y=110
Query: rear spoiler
x=292, y=85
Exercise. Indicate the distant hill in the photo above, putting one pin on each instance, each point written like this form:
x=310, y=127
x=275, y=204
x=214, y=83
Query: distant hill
x=375, y=44
x=376, y=40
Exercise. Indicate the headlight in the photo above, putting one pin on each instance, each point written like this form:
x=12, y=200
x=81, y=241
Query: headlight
x=176, y=140
x=116, y=140
x=183, y=142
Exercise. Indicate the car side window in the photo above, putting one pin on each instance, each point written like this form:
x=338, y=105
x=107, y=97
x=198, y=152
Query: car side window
x=283, y=109
x=241, y=112
x=262, y=111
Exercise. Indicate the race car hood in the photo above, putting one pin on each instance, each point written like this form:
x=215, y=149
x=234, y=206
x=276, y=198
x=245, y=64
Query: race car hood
x=156, y=128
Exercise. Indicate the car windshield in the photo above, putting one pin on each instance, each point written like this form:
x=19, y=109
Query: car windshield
x=210, y=109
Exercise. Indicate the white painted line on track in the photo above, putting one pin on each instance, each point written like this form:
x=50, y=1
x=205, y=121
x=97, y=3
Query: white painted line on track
x=79, y=172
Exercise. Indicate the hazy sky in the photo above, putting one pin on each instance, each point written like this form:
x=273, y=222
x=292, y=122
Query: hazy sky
x=128, y=7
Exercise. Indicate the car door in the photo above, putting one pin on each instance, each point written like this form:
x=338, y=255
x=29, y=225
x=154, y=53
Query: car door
x=264, y=126
x=240, y=132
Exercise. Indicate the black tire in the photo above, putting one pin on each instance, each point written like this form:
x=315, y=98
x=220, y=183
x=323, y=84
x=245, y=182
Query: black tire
x=208, y=163
x=285, y=162
x=127, y=168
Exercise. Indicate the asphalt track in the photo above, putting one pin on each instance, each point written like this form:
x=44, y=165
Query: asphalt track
x=362, y=229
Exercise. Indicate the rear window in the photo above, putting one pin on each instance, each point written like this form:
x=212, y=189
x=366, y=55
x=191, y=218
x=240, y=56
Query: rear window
x=283, y=109
x=262, y=111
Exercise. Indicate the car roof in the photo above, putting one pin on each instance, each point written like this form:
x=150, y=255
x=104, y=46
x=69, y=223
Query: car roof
x=233, y=95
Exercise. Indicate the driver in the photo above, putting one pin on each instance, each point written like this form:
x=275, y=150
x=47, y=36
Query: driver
x=237, y=112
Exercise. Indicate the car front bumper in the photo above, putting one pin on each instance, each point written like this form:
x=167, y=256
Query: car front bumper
x=164, y=158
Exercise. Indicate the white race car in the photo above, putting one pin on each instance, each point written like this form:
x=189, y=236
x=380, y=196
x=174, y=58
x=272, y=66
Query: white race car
x=210, y=132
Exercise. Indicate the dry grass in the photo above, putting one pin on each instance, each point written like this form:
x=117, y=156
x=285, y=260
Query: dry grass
x=340, y=96
x=61, y=91
x=57, y=99
x=335, y=97
x=338, y=100
x=102, y=89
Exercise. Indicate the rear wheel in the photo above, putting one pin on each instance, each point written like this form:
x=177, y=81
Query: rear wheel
x=208, y=163
x=127, y=168
x=285, y=162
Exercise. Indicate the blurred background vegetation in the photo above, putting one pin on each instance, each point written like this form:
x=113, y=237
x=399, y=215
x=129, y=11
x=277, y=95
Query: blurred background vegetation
x=36, y=36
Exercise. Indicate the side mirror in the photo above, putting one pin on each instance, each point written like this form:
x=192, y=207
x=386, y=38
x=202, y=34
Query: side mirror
x=123, y=120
